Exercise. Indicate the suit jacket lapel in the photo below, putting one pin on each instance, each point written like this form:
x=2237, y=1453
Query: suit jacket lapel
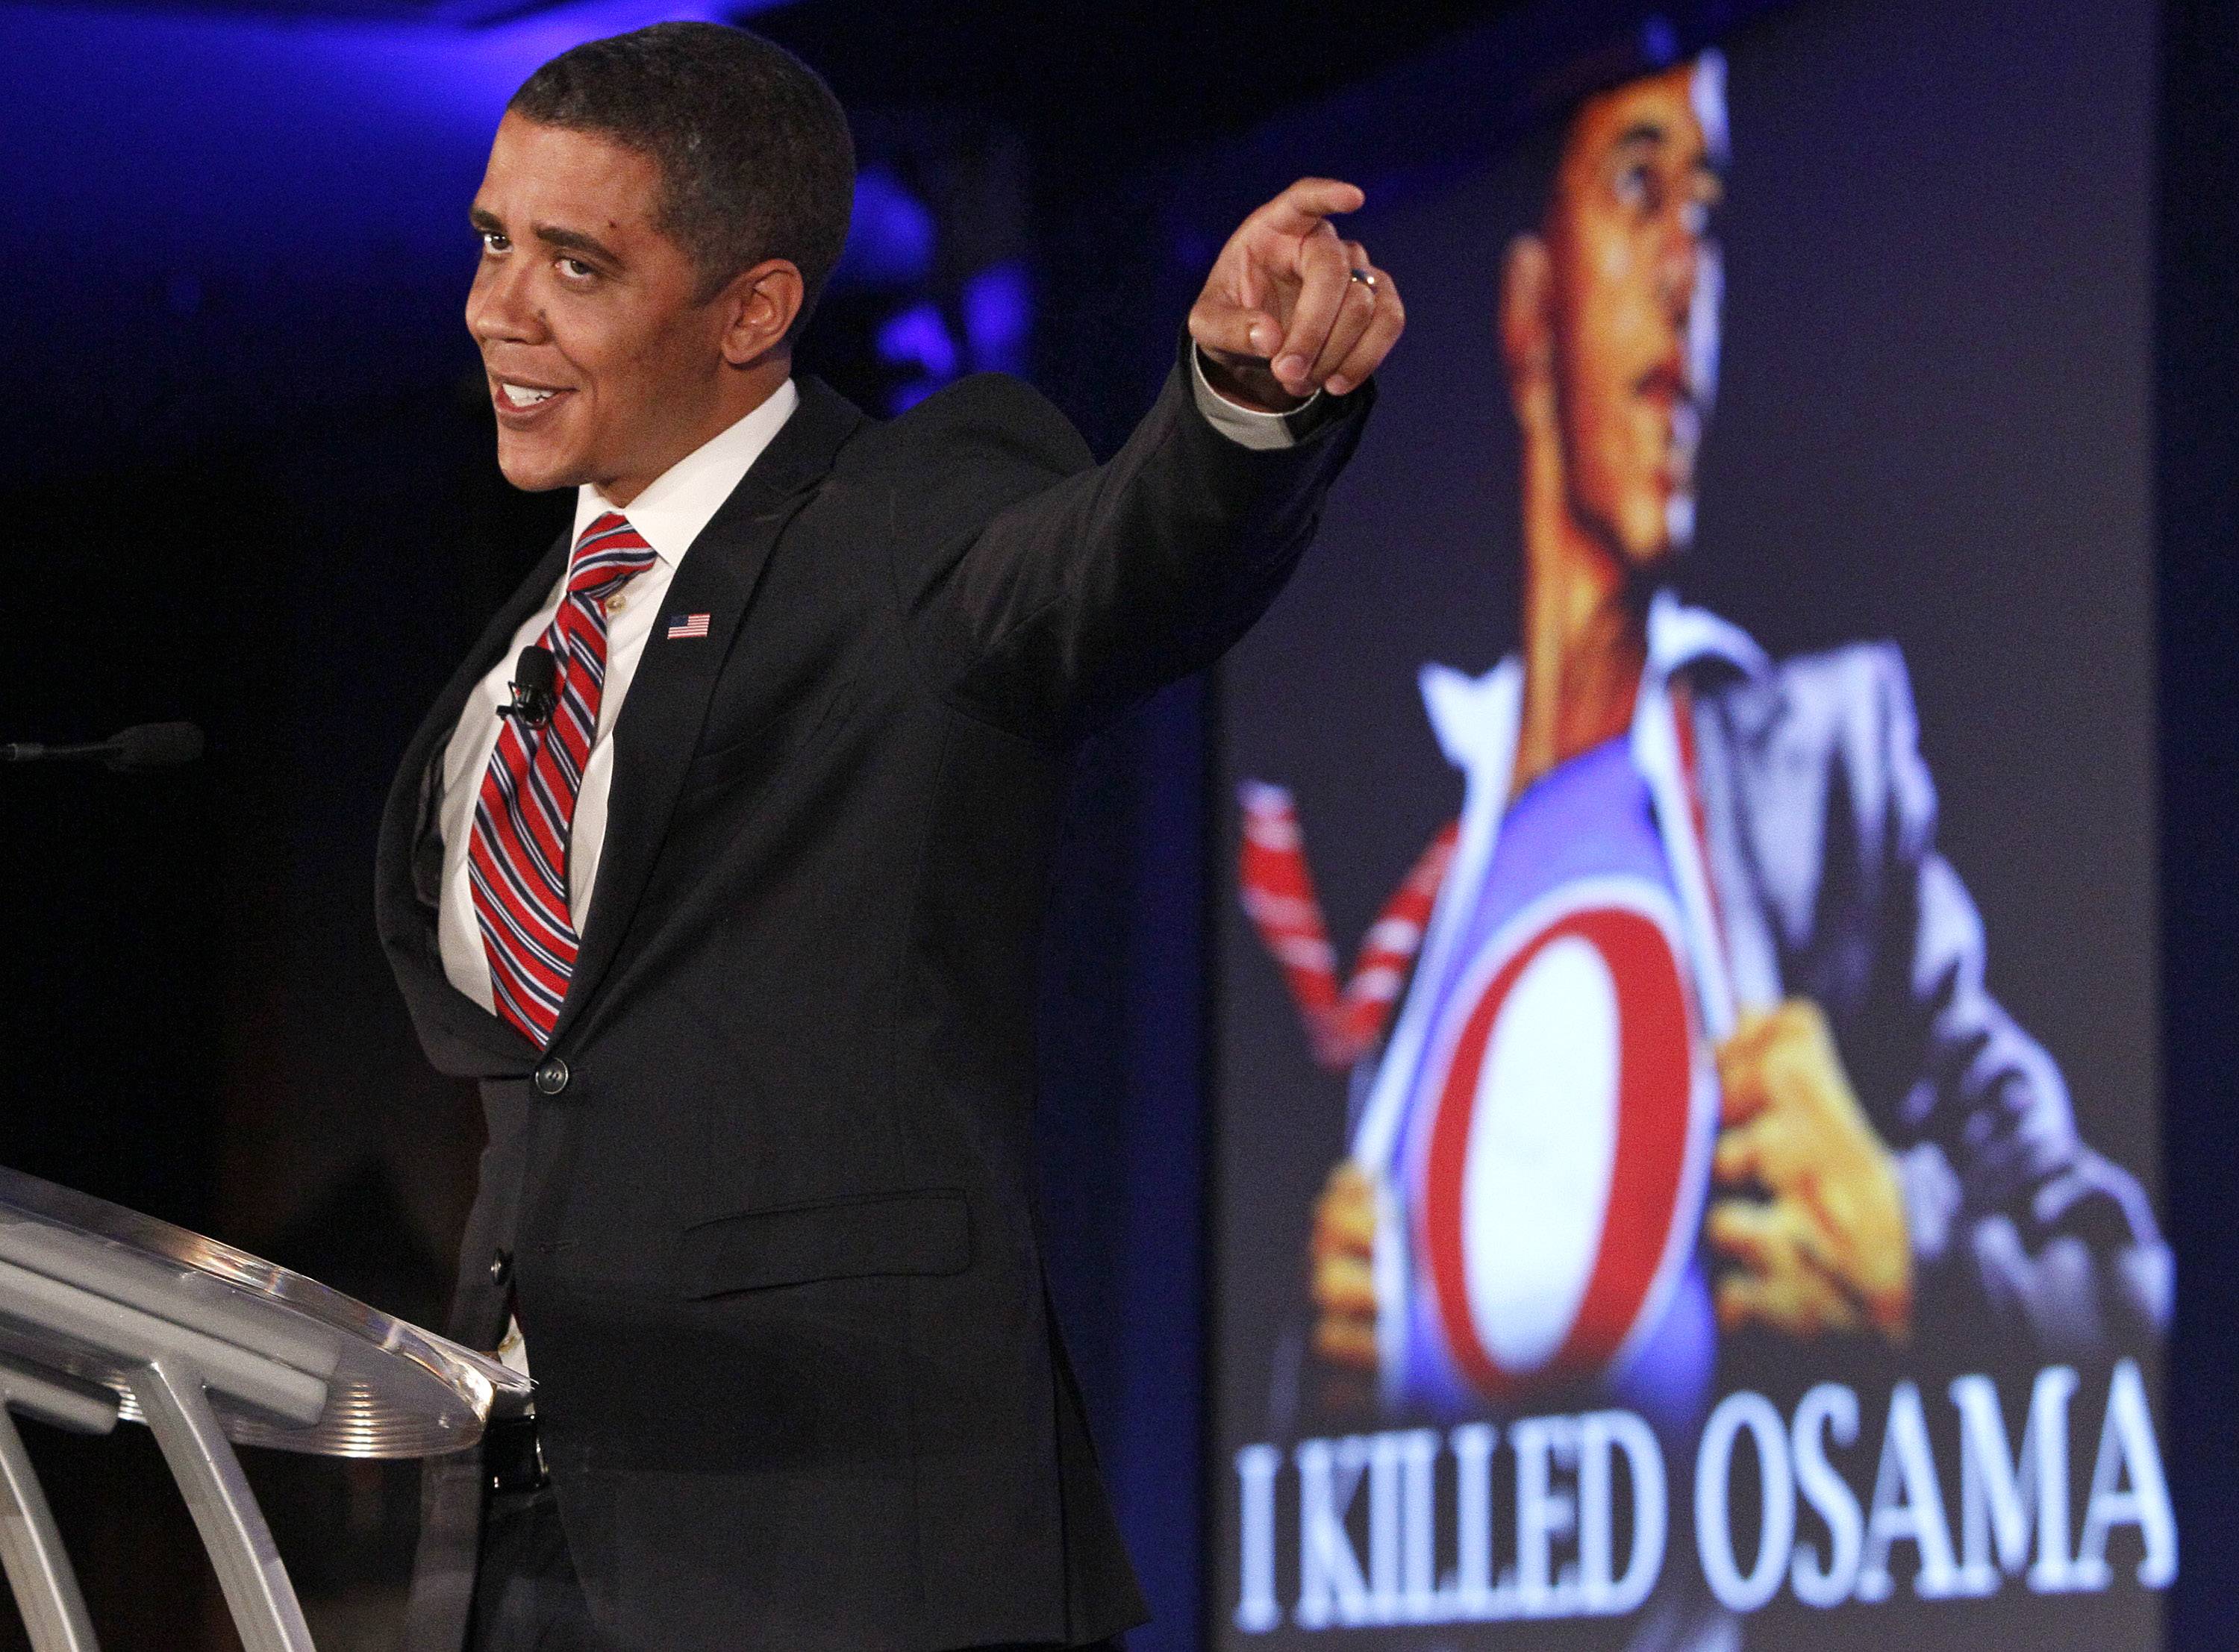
x=461, y=1037
x=659, y=728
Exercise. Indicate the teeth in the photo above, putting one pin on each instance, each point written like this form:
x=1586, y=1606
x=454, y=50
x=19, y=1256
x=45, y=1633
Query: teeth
x=522, y=397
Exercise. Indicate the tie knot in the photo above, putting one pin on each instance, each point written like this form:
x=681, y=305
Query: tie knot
x=607, y=554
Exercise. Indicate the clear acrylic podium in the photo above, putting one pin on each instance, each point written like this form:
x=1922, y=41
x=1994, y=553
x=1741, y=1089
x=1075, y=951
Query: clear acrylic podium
x=106, y=1315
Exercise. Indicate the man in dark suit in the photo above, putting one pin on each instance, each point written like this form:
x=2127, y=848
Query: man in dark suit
x=739, y=933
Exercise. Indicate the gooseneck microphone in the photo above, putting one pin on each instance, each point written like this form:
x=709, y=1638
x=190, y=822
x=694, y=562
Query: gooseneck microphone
x=146, y=745
x=536, y=687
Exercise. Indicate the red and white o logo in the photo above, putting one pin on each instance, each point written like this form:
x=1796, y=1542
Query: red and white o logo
x=1558, y=1149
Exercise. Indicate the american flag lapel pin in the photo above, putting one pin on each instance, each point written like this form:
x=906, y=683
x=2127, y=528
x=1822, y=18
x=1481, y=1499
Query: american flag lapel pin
x=681, y=626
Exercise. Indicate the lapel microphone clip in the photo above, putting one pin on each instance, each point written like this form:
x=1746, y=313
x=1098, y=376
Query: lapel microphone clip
x=536, y=687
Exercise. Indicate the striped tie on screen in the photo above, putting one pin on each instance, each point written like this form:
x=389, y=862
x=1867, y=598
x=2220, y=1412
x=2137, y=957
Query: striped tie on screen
x=518, y=862
x=1279, y=898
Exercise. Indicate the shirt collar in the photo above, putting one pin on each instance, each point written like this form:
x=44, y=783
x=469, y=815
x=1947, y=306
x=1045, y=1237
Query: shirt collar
x=1679, y=637
x=1475, y=717
x=684, y=498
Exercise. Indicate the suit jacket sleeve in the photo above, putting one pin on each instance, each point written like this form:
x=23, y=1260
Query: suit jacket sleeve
x=2017, y=1224
x=1044, y=594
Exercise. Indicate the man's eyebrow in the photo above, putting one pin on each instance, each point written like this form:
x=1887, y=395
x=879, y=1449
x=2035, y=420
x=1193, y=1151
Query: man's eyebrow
x=1654, y=135
x=554, y=235
x=566, y=239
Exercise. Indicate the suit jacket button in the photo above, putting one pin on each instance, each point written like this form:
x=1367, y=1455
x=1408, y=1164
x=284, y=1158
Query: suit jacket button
x=551, y=1077
x=500, y=1267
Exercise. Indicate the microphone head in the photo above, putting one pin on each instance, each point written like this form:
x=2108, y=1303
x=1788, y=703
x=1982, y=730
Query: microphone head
x=156, y=745
x=536, y=674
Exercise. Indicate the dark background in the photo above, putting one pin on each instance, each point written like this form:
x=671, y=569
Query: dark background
x=248, y=481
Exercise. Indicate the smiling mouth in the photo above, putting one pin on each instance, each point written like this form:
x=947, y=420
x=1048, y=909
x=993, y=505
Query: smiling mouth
x=513, y=396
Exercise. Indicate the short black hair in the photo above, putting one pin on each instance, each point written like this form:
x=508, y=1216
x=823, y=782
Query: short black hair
x=755, y=157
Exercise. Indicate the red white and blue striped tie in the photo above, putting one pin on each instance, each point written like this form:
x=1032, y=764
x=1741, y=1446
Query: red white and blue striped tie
x=518, y=861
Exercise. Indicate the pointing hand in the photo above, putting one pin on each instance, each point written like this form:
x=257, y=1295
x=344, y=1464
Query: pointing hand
x=1291, y=307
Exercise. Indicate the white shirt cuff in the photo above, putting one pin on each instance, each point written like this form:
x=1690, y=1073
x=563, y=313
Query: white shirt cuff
x=1246, y=426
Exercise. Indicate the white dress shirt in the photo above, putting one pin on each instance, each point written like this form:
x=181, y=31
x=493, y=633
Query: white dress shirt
x=668, y=515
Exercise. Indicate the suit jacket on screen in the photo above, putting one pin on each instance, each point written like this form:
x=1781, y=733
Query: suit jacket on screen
x=772, y=1244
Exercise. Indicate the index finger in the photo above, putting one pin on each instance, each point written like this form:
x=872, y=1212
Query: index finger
x=1344, y=1227
x=1306, y=203
x=1745, y=1231
x=1751, y=1029
x=1741, y=1092
x=1739, y=1155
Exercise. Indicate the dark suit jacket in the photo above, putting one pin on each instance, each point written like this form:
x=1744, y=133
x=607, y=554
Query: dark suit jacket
x=772, y=1243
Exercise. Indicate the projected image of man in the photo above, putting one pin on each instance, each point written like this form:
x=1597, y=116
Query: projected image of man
x=1697, y=1038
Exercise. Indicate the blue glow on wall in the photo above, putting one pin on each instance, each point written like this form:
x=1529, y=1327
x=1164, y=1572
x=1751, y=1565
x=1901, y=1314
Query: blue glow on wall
x=891, y=238
x=243, y=138
x=918, y=338
x=999, y=318
x=223, y=224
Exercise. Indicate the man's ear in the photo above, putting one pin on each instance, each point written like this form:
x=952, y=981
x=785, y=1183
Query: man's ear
x=1527, y=331
x=758, y=307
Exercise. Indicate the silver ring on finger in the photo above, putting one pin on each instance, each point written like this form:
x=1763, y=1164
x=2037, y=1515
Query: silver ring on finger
x=1365, y=277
